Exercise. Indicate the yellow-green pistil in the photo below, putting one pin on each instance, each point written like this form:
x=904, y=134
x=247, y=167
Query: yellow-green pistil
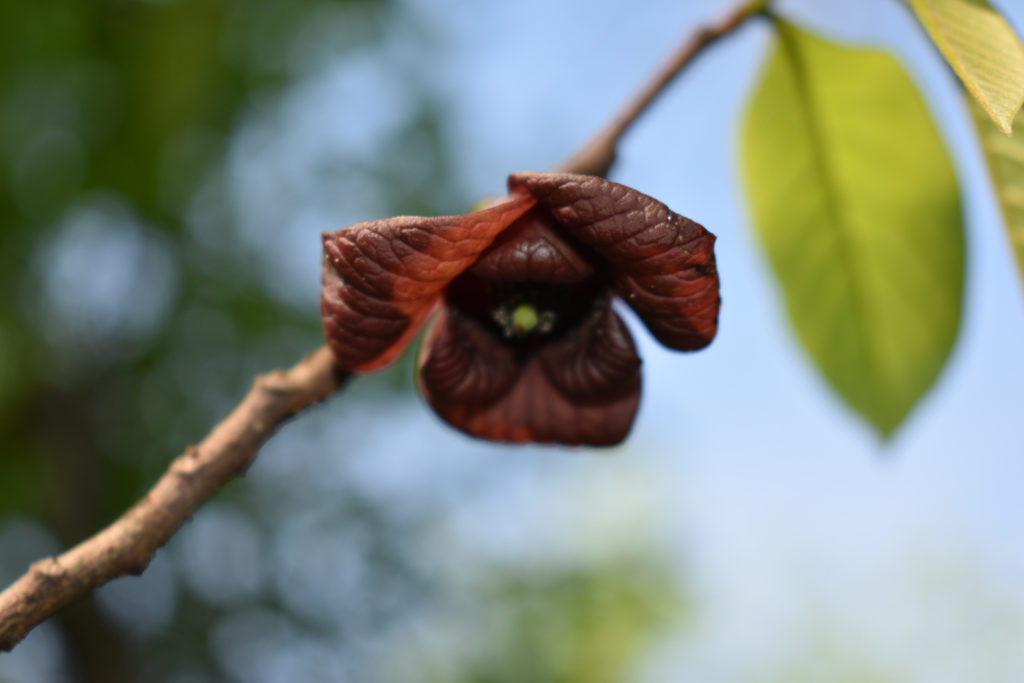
x=524, y=318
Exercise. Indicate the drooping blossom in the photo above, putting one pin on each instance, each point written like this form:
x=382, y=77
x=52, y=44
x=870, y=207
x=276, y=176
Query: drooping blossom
x=525, y=344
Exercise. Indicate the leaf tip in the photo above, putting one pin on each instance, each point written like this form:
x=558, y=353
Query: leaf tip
x=1005, y=126
x=882, y=423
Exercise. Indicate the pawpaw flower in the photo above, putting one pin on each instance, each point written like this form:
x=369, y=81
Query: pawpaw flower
x=526, y=345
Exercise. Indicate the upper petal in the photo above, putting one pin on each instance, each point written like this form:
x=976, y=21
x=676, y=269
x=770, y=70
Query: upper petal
x=382, y=278
x=533, y=249
x=664, y=263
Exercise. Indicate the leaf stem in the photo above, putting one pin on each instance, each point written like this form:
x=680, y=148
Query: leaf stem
x=597, y=156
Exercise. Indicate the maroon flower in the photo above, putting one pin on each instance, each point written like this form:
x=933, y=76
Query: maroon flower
x=526, y=346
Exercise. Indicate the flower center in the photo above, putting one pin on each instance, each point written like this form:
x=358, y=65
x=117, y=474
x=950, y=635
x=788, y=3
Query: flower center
x=523, y=319
x=533, y=283
x=525, y=312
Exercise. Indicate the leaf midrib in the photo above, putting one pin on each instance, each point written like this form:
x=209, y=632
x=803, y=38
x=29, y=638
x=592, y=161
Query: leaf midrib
x=833, y=202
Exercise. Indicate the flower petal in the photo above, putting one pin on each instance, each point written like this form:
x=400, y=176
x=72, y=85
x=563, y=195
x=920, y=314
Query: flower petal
x=532, y=250
x=464, y=363
x=664, y=263
x=596, y=358
x=383, y=278
x=592, y=401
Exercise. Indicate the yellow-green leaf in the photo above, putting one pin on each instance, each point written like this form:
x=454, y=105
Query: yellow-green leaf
x=982, y=49
x=1006, y=160
x=856, y=203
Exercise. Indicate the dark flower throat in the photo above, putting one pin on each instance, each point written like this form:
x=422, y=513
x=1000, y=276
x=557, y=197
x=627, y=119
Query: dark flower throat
x=533, y=284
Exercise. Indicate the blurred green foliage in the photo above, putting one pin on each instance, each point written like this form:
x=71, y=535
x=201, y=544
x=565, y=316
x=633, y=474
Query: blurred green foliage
x=116, y=122
x=142, y=300
x=1005, y=156
x=125, y=111
x=554, y=624
x=575, y=625
x=133, y=101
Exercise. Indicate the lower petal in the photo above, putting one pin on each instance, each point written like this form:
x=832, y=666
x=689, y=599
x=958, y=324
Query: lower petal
x=598, y=357
x=462, y=363
x=594, y=404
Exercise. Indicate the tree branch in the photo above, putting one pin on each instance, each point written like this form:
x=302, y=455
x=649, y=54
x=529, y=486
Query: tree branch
x=597, y=156
x=128, y=544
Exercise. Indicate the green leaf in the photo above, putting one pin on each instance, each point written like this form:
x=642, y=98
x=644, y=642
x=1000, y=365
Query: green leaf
x=855, y=200
x=1006, y=160
x=983, y=51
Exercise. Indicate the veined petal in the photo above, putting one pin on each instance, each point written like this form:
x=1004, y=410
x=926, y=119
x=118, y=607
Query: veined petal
x=663, y=263
x=533, y=250
x=382, y=278
x=596, y=358
x=464, y=363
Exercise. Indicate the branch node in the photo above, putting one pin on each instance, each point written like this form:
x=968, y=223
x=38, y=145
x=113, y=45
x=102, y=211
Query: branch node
x=187, y=466
x=140, y=565
x=274, y=382
x=48, y=570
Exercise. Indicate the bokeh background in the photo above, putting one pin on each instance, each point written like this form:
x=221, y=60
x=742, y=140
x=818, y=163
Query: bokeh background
x=166, y=168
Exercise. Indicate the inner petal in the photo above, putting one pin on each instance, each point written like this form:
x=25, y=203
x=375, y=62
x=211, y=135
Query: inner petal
x=533, y=284
x=460, y=363
x=663, y=263
x=534, y=249
x=594, y=359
